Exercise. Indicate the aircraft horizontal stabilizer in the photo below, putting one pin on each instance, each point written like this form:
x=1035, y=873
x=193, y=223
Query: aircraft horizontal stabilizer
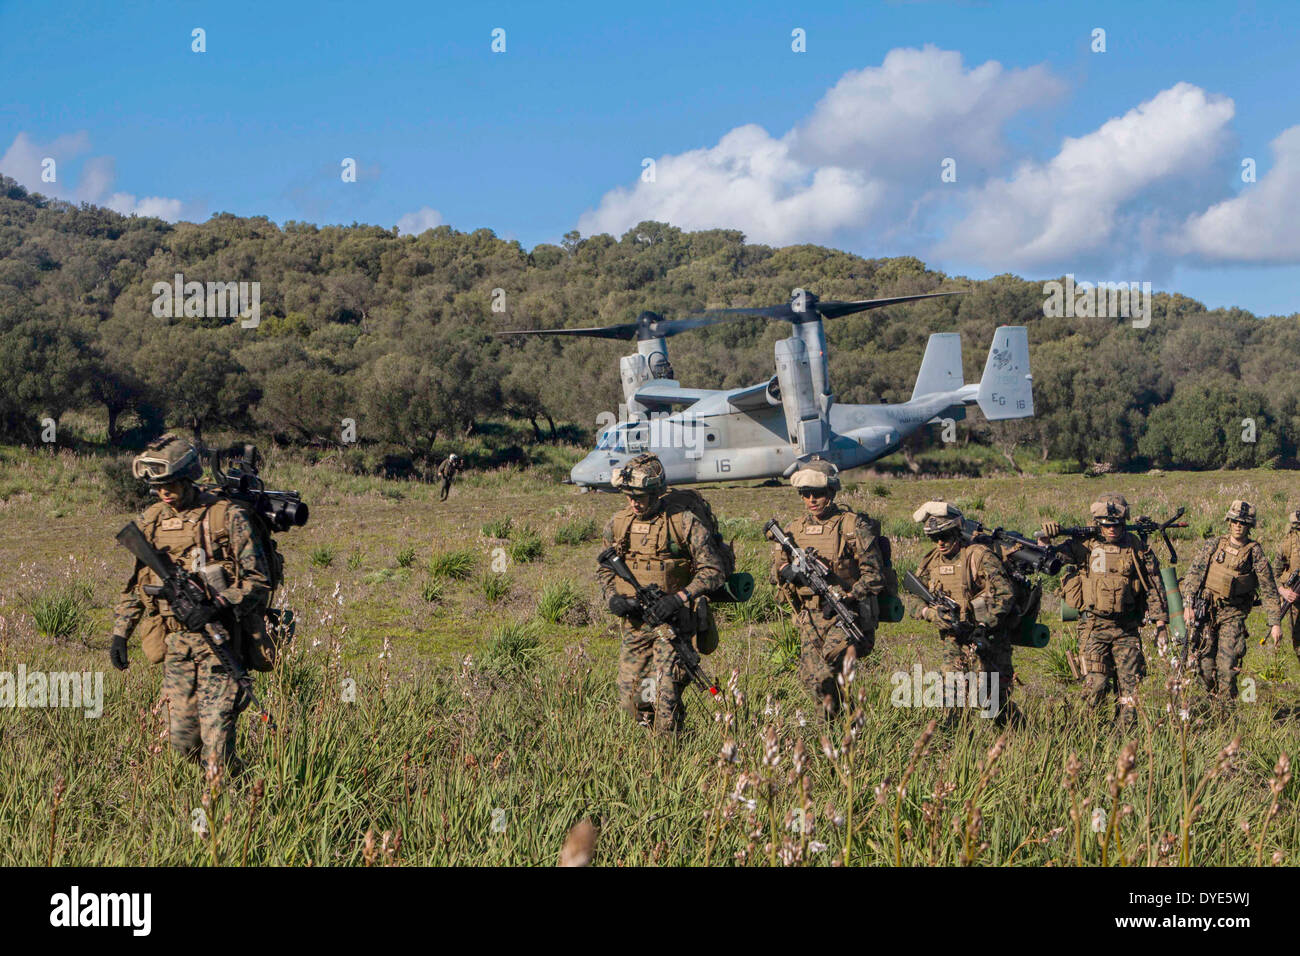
x=1006, y=389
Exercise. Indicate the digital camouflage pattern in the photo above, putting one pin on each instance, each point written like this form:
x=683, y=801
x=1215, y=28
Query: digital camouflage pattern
x=200, y=694
x=1221, y=644
x=849, y=544
x=651, y=675
x=1110, y=642
x=975, y=573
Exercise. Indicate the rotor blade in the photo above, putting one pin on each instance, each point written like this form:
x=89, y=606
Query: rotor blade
x=627, y=330
x=831, y=310
x=770, y=311
x=667, y=327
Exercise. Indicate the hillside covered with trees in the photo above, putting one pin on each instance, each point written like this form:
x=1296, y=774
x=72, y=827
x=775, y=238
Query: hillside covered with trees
x=396, y=334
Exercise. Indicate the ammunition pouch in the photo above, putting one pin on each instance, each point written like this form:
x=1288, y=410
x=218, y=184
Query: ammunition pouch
x=706, y=628
x=153, y=638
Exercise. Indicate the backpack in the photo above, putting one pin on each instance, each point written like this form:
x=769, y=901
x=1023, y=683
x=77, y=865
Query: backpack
x=265, y=627
x=687, y=499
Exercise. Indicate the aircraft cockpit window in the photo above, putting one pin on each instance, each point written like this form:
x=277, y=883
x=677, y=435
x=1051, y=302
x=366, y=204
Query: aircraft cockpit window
x=612, y=440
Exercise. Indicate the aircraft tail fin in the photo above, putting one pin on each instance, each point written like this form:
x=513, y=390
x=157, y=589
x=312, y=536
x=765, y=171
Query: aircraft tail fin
x=1006, y=388
x=941, y=365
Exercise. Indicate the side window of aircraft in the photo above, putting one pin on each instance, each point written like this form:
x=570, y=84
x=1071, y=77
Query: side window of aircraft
x=638, y=437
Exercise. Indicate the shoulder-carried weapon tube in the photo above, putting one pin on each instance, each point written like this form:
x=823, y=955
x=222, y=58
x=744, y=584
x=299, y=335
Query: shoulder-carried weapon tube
x=949, y=612
x=183, y=592
x=814, y=570
x=646, y=596
x=1023, y=554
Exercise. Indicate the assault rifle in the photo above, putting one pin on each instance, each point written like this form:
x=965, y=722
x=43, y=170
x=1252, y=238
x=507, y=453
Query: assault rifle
x=185, y=592
x=814, y=571
x=646, y=596
x=949, y=613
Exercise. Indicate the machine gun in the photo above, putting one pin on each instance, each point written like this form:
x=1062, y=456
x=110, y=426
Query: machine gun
x=949, y=613
x=646, y=596
x=1023, y=556
x=280, y=510
x=1143, y=527
x=814, y=571
x=188, y=596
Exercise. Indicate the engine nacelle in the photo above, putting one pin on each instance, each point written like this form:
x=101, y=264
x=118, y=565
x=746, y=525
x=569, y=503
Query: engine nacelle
x=803, y=421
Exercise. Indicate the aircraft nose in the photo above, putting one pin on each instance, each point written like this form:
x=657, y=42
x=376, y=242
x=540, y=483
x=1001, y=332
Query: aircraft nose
x=592, y=470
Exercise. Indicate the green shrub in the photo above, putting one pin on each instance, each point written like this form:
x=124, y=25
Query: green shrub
x=405, y=557
x=122, y=490
x=557, y=599
x=494, y=586
x=577, y=531
x=498, y=528
x=456, y=565
x=354, y=560
x=433, y=590
x=61, y=612
x=322, y=556
x=513, y=648
x=526, y=547
x=783, y=646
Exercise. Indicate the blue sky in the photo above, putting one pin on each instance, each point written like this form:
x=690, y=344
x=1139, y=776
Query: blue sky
x=841, y=144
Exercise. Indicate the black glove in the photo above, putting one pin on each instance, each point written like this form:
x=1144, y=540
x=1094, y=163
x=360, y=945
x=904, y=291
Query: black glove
x=117, y=653
x=622, y=605
x=664, y=608
x=195, y=616
x=790, y=576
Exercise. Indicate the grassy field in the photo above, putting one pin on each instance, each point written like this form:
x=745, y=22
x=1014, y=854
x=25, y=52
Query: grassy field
x=436, y=709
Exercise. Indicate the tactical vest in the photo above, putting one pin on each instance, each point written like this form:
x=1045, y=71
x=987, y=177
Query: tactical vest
x=1290, y=550
x=956, y=577
x=194, y=538
x=1230, y=575
x=1110, y=583
x=654, y=548
x=829, y=539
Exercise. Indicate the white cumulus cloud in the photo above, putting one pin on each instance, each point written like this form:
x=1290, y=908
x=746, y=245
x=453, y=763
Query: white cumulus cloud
x=1262, y=224
x=22, y=161
x=843, y=167
x=1104, y=194
x=414, y=223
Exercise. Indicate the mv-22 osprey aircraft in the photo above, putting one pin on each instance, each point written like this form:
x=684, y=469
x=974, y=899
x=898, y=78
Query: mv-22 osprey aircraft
x=766, y=430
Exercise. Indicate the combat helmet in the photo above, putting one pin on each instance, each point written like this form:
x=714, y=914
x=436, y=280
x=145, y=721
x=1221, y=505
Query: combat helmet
x=816, y=473
x=642, y=475
x=1109, y=510
x=167, y=459
x=1242, y=511
x=937, y=518
x=1293, y=518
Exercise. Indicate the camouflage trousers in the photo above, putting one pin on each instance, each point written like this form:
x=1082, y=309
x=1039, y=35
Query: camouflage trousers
x=993, y=659
x=446, y=489
x=1220, y=647
x=822, y=649
x=651, y=677
x=200, y=699
x=1111, y=648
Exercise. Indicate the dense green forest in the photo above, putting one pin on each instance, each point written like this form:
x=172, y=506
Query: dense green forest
x=395, y=334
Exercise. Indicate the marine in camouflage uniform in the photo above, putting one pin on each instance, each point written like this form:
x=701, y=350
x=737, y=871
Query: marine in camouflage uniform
x=1230, y=571
x=200, y=532
x=1114, y=582
x=849, y=544
x=665, y=544
x=447, y=471
x=1286, y=562
x=972, y=575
